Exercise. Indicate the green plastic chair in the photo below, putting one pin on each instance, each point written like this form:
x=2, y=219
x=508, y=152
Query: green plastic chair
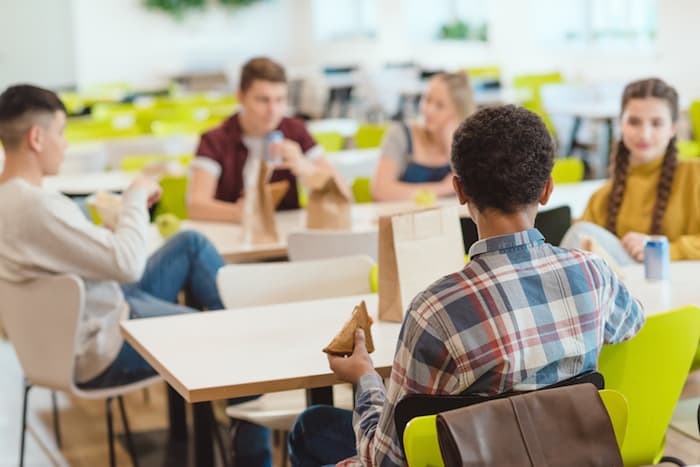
x=688, y=149
x=173, y=200
x=361, y=190
x=330, y=141
x=650, y=370
x=74, y=103
x=180, y=127
x=138, y=162
x=420, y=443
x=422, y=449
x=567, y=170
x=85, y=129
x=302, y=196
x=484, y=72
x=618, y=408
x=533, y=83
x=694, y=117
x=369, y=136
x=374, y=278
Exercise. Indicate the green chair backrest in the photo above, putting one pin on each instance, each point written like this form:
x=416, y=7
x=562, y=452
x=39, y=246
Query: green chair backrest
x=180, y=127
x=567, y=170
x=689, y=149
x=374, y=279
x=361, y=190
x=420, y=443
x=422, y=448
x=618, y=409
x=138, y=162
x=485, y=72
x=533, y=83
x=174, y=196
x=650, y=371
x=302, y=196
x=83, y=129
x=74, y=103
x=330, y=141
x=694, y=117
x=369, y=136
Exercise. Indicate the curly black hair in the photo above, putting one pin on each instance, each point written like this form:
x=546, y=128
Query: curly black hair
x=503, y=157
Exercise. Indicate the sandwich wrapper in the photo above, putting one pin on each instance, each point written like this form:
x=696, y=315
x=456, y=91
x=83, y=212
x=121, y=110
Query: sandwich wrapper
x=344, y=342
x=105, y=208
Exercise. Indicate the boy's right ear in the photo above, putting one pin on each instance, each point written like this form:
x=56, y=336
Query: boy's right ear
x=547, y=192
x=34, y=138
x=459, y=190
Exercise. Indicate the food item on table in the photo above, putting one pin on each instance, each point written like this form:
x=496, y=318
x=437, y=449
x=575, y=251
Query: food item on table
x=344, y=342
x=424, y=197
x=108, y=207
x=168, y=225
x=589, y=244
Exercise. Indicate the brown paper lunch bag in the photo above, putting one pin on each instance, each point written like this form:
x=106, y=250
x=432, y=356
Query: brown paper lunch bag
x=415, y=249
x=259, y=225
x=329, y=206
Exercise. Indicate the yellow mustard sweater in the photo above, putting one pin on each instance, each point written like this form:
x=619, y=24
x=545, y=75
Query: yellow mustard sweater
x=681, y=222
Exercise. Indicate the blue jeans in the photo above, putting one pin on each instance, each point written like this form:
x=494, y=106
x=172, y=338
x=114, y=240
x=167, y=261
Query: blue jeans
x=322, y=435
x=189, y=262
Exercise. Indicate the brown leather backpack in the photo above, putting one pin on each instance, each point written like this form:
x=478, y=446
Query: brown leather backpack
x=552, y=427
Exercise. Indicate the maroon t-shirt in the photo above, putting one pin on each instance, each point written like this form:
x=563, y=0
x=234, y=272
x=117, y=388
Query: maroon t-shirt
x=224, y=144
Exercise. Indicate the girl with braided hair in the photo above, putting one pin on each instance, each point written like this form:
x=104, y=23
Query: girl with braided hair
x=650, y=191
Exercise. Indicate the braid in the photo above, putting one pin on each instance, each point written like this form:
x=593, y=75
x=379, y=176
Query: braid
x=642, y=89
x=663, y=190
x=617, y=192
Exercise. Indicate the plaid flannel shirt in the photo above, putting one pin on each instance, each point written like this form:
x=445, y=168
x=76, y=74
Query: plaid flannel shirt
x=521, y=315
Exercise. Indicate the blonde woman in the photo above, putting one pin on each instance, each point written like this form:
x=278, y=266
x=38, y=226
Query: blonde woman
x=417, y=156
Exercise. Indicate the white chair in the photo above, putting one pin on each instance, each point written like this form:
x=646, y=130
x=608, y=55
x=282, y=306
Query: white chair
x=41, y=318
x=242, y=285
x=306, y=245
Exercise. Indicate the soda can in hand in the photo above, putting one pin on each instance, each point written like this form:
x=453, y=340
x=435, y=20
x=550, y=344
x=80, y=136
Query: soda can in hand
x=272, y=137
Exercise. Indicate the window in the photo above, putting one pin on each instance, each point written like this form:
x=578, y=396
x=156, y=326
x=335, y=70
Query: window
x=335, y=20
x=597, y=23
x=446, y=20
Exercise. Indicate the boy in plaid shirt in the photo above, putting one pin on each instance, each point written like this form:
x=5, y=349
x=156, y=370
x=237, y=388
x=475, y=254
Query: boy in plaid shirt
x=521, y=315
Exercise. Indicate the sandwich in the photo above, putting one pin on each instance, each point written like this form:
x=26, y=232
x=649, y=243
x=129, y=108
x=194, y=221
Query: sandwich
x=344, y=343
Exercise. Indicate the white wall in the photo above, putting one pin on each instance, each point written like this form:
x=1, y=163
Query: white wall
x=36, y=43
x=59, y=42
x=119, y=40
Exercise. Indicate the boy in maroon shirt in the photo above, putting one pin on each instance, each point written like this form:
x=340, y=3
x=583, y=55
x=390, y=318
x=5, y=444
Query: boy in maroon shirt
x=216, y=186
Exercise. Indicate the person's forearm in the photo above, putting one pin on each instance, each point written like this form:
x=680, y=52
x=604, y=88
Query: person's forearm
x=214, y=210
x=369, y=403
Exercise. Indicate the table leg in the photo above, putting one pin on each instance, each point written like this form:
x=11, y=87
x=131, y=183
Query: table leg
x=609, y=126
x=176, y=415
x=203, y=443
x=316, y=396
x=572, y=137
